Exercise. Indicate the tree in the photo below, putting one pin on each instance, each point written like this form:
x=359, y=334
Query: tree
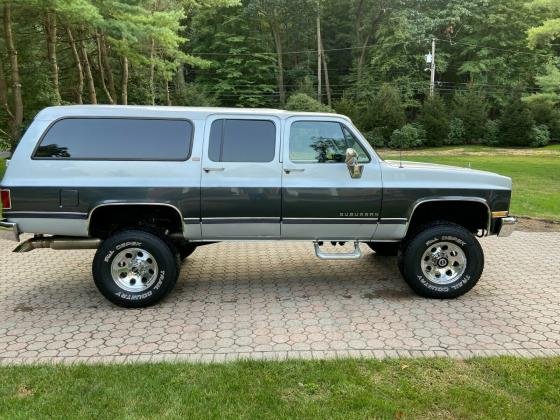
x=516, y=123
x=471, y=108
x=434, y=117
x=303, y=102
x=385, y=111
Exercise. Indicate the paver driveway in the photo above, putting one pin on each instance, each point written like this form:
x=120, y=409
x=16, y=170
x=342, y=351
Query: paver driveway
x=276, y=300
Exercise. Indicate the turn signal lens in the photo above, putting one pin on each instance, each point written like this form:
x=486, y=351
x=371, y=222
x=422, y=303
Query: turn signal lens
x=496, y=214
x=6, y=199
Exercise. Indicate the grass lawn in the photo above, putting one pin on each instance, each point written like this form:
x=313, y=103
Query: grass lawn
x=429, y=388
x=535, y=172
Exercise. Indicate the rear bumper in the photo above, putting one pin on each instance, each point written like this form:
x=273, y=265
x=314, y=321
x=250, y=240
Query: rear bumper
x=9, y=230
x=507, y=226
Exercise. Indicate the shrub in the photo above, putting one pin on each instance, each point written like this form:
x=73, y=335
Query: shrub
x=544, y=113
x=385, y=112
x=349, y=107
x=435, y=120
x=491, y=133
x=516, y=124
x=408, y=136
x=541, y=136
x=456, y=134
x=303, y=102
x=191, y=94
x=375, y=138
x=472, y=108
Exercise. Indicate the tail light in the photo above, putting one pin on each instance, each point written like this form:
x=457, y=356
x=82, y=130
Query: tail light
x=6, y=199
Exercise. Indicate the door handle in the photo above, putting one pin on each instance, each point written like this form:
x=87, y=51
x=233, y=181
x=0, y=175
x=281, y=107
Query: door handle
x=288, y=170
x=213, y=169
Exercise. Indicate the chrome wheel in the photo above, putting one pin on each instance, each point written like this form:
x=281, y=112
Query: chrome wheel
x=443, y=263
x=134, y=269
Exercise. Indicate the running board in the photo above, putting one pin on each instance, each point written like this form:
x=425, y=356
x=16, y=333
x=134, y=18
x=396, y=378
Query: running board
x=354, y=255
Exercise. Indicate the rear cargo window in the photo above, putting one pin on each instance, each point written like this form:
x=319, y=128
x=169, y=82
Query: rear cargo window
x=242, y=141
x=117, y=139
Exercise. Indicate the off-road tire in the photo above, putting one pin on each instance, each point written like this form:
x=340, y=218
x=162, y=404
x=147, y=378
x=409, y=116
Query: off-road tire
x=162, y=281
x=419, y=249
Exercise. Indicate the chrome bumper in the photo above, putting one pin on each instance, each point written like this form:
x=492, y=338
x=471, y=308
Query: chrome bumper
x=9, y=231
x=508, y=226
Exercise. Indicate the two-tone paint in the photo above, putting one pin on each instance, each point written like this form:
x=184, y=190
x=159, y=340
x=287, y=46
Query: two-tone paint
x=236, y=200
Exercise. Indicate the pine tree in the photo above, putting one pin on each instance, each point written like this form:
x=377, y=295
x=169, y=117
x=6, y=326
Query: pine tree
x=435, y=120
x=472, y=108
x=385, y=112
x=516, y=124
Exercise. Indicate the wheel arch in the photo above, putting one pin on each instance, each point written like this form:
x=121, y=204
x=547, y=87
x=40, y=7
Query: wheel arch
x=170, y=209
x=480, y=217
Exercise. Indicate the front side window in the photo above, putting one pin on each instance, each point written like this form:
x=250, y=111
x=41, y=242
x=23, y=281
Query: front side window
x=322, y=142
x=242, y=141
x=117, y=139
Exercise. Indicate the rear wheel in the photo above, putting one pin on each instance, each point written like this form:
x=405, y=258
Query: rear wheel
x=442, y=260
x=135, y=268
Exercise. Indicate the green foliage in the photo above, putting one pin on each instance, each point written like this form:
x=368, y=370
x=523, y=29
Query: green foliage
x=540, y=136
x=192, y=94
x=303, y=102
x=385, y=111
x=491, y=133
x=407, y=137
x=516, y=123
x=545, y=113
x=471, y=108
x=456, y=133
x=434, y=117
x=375, y=138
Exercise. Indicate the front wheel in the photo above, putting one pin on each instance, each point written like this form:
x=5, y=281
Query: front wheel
x=135, y=268
x=442, y=261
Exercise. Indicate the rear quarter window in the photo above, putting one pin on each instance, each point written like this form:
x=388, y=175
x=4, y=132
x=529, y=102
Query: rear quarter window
x=117, y=139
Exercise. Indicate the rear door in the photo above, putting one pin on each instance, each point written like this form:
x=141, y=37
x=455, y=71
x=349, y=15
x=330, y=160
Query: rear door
x=320, y=199
x=241, y=177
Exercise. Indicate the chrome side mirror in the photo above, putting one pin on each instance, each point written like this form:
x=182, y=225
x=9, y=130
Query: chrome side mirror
x=354, y=167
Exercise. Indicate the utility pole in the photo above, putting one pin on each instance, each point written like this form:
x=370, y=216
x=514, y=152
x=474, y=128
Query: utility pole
x=433, y=68
x=319, y=53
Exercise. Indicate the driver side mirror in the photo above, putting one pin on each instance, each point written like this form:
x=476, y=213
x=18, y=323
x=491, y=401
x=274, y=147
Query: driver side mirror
x=354, y=167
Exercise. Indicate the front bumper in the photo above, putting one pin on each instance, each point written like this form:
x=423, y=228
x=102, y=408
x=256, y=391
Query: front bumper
x=507, y=226
x=9, y=230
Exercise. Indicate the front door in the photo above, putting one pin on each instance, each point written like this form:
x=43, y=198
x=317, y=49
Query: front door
x=320, y=199
x=241, y=177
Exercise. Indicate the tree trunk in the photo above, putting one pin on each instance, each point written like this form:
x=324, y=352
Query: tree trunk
x=102, y=71
x=124, y=81
x=326, y=70
x=152, y=71
x=89, y=76
x=108, y=68
x=362, y=57
x=50, y=32
x=319, y=61
x=78, y=63
x=279, y=63
x=17, y=113
x=4, y=92
x=167, y=93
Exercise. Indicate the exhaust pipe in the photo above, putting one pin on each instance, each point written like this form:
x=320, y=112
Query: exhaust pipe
x=58, y=243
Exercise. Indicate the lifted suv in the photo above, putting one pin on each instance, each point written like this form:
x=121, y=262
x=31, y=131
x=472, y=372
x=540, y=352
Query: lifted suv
x=147, y=185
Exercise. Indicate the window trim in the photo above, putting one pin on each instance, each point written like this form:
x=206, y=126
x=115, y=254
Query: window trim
x=113, y=117
x=226, y=118
x=342, y=126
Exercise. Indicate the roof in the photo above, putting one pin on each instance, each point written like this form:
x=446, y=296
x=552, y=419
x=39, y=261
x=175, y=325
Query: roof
x=55, y=112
